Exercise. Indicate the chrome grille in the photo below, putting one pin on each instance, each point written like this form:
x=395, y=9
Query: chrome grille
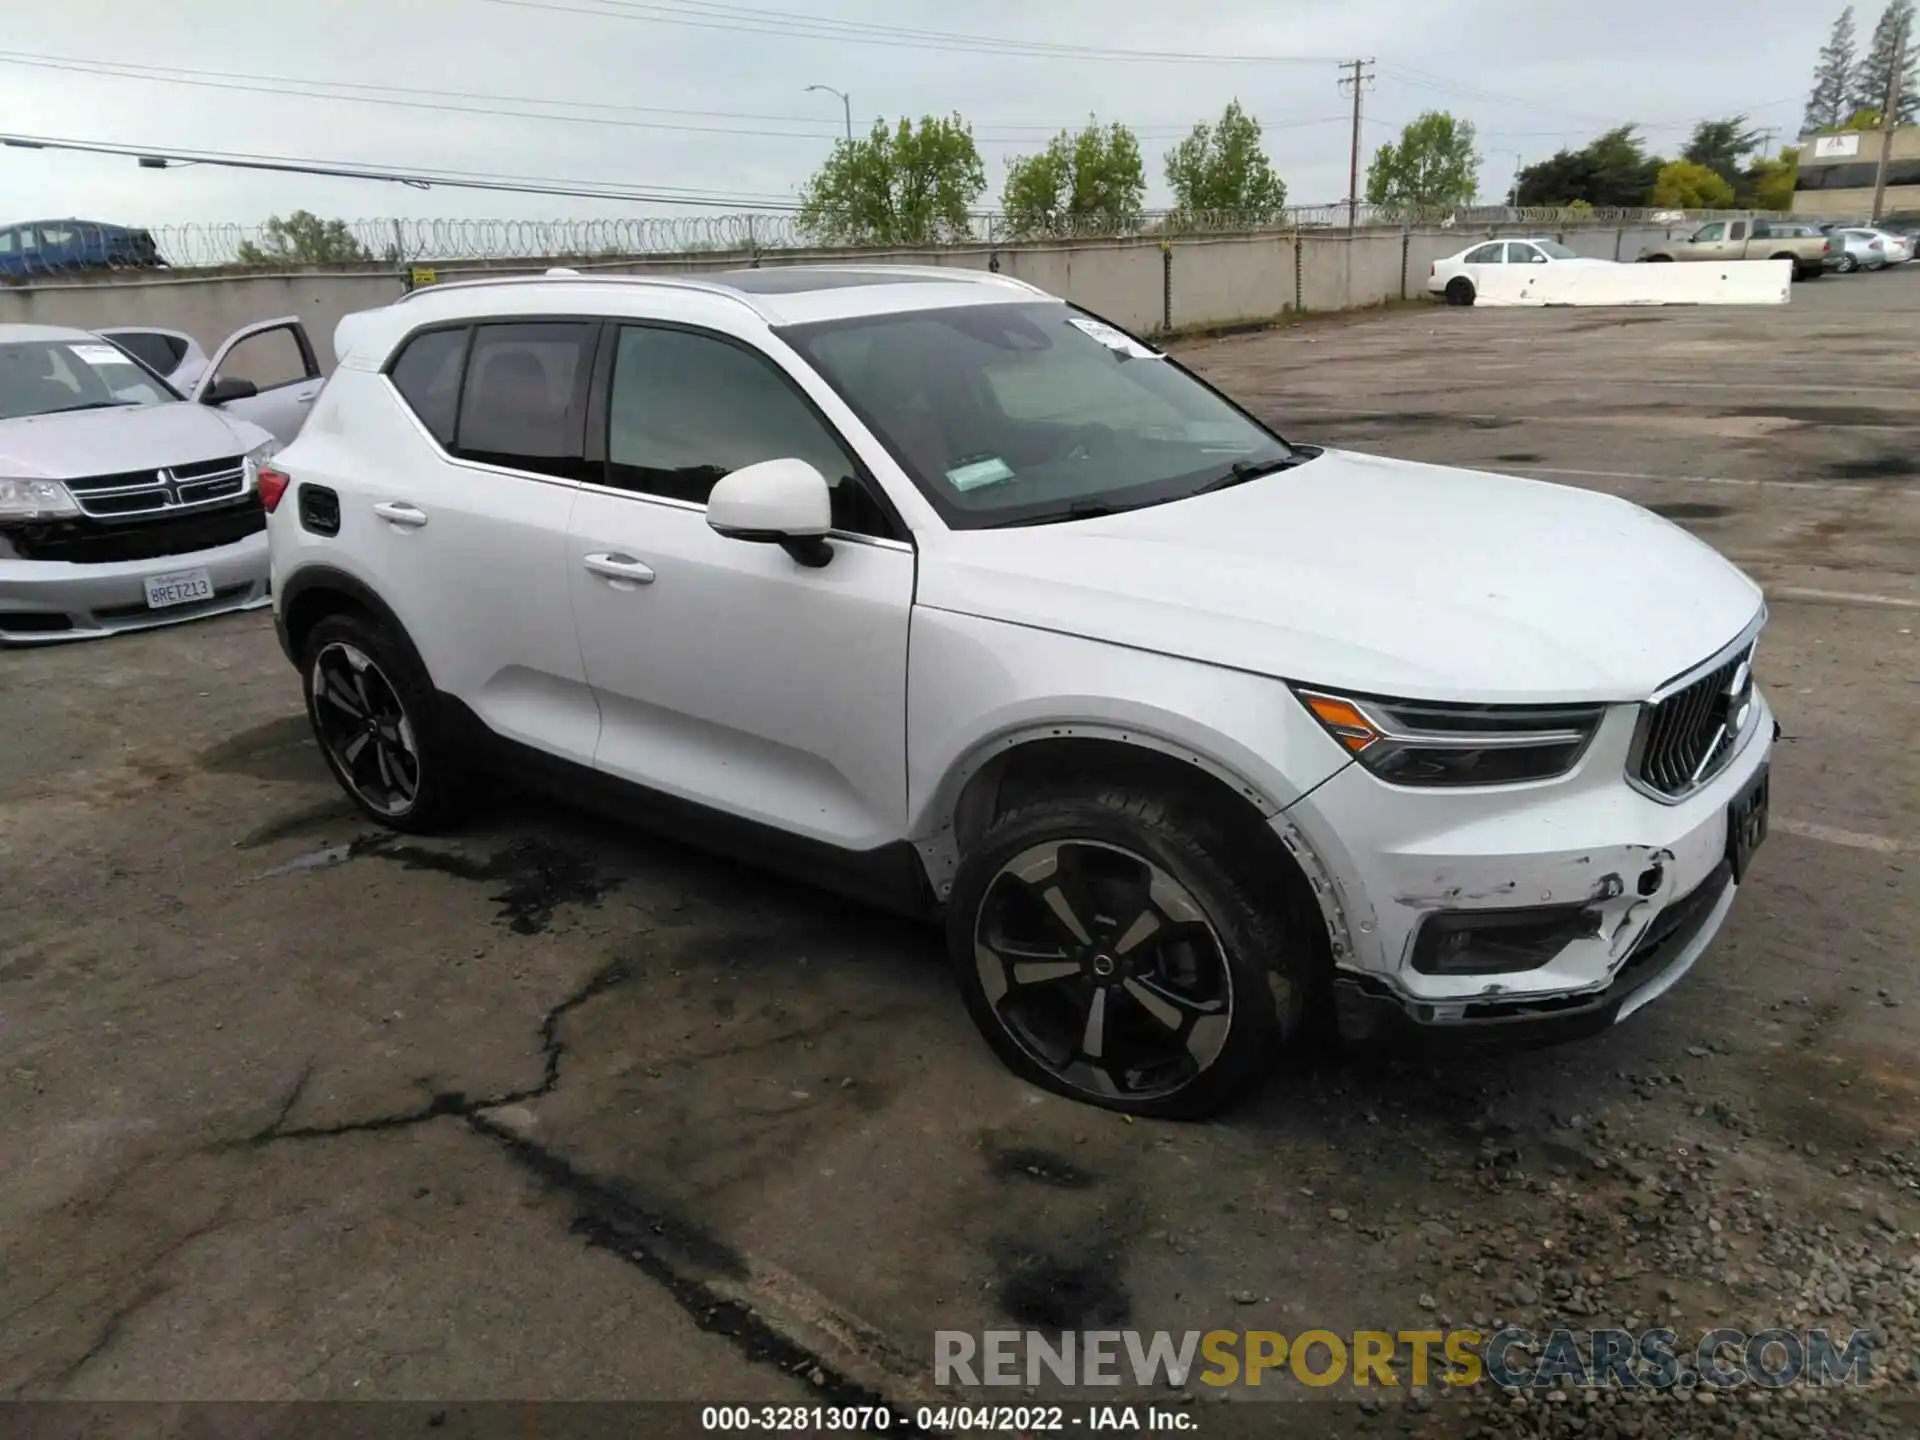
x=144, y=492
x=1688, y=737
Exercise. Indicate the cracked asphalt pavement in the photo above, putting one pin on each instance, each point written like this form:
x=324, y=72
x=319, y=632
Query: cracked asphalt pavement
x=547, y=1109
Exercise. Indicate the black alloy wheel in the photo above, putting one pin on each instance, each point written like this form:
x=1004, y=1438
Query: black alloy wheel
x=363, y=726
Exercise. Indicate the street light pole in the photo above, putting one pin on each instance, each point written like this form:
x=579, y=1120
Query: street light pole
x=846, y=106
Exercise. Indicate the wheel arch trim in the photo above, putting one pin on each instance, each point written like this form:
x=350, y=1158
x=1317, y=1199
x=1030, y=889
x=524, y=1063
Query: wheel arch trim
x=938, y=845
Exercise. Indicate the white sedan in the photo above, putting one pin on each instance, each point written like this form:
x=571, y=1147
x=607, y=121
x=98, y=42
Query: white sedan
x=1458, y=277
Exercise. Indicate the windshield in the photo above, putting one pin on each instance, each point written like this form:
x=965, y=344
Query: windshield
x=1554, y=250
x=1022, y=414
x=45, y=377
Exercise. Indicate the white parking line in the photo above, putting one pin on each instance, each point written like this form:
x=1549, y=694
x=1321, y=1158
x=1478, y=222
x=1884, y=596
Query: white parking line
x=1853, y=839
x=1842, y=597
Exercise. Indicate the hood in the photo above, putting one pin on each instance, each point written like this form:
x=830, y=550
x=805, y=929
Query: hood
x=1373, y=575
x=132, y=437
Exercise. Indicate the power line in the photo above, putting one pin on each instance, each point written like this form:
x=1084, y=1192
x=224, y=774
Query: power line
x=423, y=179
x=279, y=86
x=745, y=20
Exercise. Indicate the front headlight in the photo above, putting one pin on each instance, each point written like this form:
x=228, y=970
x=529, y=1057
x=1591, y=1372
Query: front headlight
x=1429, y=743
x=36, y=500
x=251, y=462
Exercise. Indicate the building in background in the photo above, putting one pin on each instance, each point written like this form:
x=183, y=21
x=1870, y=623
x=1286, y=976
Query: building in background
x=1837, y=174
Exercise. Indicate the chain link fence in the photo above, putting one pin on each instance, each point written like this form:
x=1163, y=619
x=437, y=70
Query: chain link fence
x=57, y=248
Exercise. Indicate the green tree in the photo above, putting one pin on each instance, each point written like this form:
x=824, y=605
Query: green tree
x=1433, y=164
x=1220, y=169
x=1611, y=169
x=303, y=238
x=911, y=185
x=1893, y=37
x=1720, y=145
x=1832, y=91
x=1867, y=117
x=1683, y=185
x=1770, y=182
x=1091, y=180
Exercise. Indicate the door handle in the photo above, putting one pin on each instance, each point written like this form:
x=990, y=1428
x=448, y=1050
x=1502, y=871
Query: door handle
x=619, y=567
x=399, y=512
x=306, y=399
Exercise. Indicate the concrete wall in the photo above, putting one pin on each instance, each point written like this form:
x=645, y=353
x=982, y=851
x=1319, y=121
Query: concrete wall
x=209, y=308
x=1246, y=277
x=1138, y=283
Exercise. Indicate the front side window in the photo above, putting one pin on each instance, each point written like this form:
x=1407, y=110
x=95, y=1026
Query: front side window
x=1486, y=255
x=269, y=358
x=1522, y=254
x=686, y=409
x=40, y=377
x=1715, y=231
x=1025, y=413
x=524, y=398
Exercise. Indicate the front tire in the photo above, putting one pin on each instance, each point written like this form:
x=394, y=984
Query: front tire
x=373, y=712
x=1111, y=949
x=1459, y=291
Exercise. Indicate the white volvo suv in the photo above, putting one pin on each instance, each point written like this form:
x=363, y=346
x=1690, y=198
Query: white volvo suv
x=936, y=589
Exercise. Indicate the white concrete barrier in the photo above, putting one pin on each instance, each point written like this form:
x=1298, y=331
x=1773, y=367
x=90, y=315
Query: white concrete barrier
x=1690, y=282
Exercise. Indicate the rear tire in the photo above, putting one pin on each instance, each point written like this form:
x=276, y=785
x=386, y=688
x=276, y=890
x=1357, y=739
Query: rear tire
x=1459, y=291
x=1112, y=950
x=374, y=713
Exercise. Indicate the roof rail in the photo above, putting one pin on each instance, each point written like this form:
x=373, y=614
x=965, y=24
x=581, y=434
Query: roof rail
x=558, y=277
x=562, y=276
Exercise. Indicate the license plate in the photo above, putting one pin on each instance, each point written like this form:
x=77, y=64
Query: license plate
x=178, y=587
x=1747, y=824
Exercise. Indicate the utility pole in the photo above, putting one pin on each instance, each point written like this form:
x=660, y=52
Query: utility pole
x=1358, y=80
x=1889, y=118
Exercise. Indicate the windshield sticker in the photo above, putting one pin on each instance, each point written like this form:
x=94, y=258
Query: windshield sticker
x=98, y=355
x=974, y=474
x=1115, y=340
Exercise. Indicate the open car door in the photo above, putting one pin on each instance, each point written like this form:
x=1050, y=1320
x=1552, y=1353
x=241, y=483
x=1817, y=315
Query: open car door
x=266, y=373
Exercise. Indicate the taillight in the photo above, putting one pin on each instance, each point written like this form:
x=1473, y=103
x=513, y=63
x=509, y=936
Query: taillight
x=273, y=484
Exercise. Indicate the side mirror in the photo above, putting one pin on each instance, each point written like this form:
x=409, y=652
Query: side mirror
x=776, y=502
x=225, y=389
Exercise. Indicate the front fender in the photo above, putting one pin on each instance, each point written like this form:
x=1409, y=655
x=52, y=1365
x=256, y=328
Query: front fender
x=978, y=687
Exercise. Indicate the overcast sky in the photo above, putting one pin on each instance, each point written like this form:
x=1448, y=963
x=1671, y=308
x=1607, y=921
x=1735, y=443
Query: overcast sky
x=1533, y=75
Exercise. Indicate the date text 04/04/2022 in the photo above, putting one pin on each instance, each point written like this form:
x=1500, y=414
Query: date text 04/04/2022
x=985, y=1419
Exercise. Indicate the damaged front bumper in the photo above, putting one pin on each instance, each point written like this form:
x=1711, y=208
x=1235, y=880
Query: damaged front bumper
x=1520, y=914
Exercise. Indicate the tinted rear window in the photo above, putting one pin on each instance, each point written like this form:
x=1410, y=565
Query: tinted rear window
x=427, y=375
x=523, y=401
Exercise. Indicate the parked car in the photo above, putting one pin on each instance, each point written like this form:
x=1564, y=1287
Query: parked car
x=123, y=503
x=1855, y=250
x=1458, y=278
x=173, y=355
x=1883, y=246
x=49, y=247
x=930, y=586
x=1749, y=240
